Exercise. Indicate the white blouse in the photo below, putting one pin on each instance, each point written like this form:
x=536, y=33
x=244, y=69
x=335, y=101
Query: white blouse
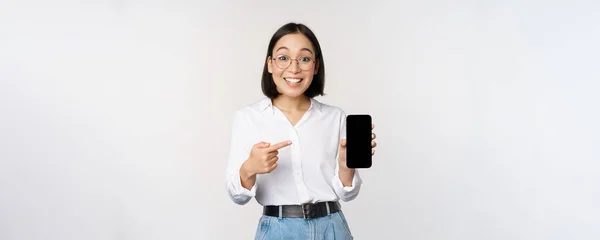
x=307, y=170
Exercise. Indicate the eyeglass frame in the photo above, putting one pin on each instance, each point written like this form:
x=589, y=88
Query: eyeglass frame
x=313, y=61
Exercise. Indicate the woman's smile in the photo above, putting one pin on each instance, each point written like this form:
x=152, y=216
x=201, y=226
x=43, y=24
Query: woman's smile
x=293, y=82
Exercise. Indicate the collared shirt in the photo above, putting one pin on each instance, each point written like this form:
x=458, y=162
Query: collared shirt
x=307, y=170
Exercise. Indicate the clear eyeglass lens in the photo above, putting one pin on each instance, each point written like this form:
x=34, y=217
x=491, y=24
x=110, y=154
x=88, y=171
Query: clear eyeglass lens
x=305, y=63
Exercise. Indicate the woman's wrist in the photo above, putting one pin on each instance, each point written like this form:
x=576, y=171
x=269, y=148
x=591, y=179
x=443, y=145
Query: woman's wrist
x=245, y=174
x=346, y=175
x=247, y=178
x=344, y=169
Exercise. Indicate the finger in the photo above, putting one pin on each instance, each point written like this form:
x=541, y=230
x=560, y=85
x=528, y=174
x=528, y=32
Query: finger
x=280, y=145
x=372, y=126
x=373, y=144
x=373, y=136
x=373, y=152
x=272, y=167
x=343, y=142
x=271, y=155
x=262, y=145
x=273, y=160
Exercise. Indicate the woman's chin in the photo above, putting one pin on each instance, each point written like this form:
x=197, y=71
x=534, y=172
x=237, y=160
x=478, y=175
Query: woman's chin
x=292, y=93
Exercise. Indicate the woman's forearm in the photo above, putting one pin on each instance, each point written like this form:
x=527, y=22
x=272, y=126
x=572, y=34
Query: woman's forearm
x=346, y=176
x=248, y=179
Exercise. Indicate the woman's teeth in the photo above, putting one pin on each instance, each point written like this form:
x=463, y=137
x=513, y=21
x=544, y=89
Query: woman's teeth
x=293, y=80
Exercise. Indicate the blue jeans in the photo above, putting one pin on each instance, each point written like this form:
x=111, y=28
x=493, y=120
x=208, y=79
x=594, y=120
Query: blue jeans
x=330, y=227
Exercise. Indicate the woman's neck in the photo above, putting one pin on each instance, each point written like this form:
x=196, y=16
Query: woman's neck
x=284, y=103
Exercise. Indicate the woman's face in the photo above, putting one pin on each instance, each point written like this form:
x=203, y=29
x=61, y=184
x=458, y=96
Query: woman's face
x=292, y=64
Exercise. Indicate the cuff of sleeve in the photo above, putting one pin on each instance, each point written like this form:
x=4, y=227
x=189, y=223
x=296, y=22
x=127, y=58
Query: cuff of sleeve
x=355, y=181
x=241, y=190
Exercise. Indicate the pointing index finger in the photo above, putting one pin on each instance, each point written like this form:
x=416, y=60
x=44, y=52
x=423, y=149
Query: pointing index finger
x=279, y=145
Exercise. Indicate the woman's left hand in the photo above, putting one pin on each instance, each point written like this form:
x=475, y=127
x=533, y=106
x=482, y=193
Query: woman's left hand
x=342, y=155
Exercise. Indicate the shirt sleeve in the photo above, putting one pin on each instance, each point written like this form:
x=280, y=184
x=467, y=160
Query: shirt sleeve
x=351, y=192
x=239, y=150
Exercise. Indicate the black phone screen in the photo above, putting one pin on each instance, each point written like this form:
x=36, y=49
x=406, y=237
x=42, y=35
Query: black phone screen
x=358, y=141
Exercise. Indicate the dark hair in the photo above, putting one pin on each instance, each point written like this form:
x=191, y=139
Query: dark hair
x=317, y=85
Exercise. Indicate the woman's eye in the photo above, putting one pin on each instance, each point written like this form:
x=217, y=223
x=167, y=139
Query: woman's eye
x=305, y=59
x=282, y=58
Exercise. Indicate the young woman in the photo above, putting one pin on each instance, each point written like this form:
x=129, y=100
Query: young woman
x=288, y=150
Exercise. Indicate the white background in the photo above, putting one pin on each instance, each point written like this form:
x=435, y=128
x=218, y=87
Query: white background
x=115, y=115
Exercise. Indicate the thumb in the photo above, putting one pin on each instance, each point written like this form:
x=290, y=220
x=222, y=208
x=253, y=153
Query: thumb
x=343, y=143
x=263, y=144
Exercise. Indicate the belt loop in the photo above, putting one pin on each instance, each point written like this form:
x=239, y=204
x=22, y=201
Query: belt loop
x=328, y=210
x=280, y=211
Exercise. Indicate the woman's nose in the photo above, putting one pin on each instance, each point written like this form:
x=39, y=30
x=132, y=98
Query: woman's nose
x=294, y=66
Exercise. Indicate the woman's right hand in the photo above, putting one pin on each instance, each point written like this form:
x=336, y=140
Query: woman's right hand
x=263, y=158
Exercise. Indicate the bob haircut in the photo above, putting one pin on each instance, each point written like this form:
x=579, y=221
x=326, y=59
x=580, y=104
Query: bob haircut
x=317, y=85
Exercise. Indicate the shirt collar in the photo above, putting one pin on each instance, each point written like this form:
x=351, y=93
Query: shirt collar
x=266, y=105
x=316, y=104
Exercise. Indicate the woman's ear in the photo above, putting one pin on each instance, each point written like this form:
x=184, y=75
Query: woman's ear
x=316, y=67
x=269, y=66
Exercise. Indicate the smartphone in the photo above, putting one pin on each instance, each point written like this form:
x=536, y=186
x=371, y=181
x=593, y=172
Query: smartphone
x=358, y=141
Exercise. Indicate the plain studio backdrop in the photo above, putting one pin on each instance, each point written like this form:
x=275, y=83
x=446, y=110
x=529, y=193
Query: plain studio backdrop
x=116, y=115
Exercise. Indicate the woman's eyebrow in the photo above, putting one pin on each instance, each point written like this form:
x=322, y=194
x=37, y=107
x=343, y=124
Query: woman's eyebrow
x=303, y=49
x=306, y=49
x=281, y=48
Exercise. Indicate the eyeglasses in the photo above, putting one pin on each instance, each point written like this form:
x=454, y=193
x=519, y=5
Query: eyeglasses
x=283, y=62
